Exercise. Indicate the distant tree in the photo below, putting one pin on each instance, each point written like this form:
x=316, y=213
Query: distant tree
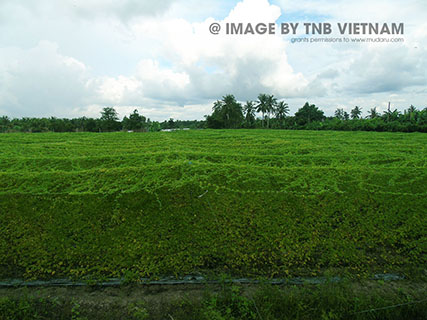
x=266, y=105
x=109, y=119
x=412, y=109
x=356, y=112
x=272, y=104
x=412, y=113
x=4, y=124
x=308, y=113
x=135, y=121
x=171, y=123
x=282, y=110
x=91, y=125
x=390, y=116
x=214, y=121
x=109, y=114
x=373, y=113
x=346, y=115
x=227, y=113
x=36, y=124
x=153, y=126
x=339, y=114
x=422, y=118
x=249, y=112
x=262, y=106
x=56, y=125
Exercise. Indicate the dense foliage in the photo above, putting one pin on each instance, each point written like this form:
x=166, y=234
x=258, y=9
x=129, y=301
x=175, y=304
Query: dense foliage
x=309, y=117
x=228, y=113
x=108, y=122
x=250, y=202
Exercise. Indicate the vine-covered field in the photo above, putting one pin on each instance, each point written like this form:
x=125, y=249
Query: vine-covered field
x=245, y=202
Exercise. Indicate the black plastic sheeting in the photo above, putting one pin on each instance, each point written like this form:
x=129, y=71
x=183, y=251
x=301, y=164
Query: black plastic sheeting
x=10, y=283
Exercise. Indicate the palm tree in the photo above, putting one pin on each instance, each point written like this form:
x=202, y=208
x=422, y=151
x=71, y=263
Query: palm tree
x=262, y=106
x=282, y=110
x=391, y=115
x=373, y=113
x=249, y=111
x=228, y=102
x=272, y=104
x=266, y=105
x=356, y=112
x=228, y=111
x=412, y=111
x=339, y=114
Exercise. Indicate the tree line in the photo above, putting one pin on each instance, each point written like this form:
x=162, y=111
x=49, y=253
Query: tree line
x=266, y=112
x=107, y=122
x=229, y=113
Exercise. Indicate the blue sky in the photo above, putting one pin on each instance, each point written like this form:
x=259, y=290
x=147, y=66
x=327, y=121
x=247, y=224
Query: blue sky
x=73, y=57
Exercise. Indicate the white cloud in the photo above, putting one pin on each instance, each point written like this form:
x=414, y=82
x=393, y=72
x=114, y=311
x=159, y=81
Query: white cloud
x=203, y=66
x=89, y=9
x=115, y=91
x=216, y=65
x=72, y=57
x=159, y=79
x=40, y=81
x=363, y=73
x=386, y=69
x=359, y=11
x=254, y=11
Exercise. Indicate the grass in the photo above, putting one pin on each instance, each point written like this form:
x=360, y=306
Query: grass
x=357, y=300
x=245, y=202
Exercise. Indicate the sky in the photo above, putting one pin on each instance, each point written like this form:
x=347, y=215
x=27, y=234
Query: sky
x=71, y=58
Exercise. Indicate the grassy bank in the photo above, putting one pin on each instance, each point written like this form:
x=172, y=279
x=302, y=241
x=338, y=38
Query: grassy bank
x=348, y=300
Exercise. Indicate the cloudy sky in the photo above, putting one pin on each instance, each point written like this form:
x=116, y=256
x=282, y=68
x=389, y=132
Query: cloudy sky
x=71, y=58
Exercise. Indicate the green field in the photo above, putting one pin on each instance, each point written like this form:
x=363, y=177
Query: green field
x=245, y=202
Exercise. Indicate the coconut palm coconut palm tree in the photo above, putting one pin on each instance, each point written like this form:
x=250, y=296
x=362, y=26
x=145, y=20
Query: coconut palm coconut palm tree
x=356, y=112
x=282, y=110
x=262, y=106
x=249, y=112
x=373, y=113
x=266, y=105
